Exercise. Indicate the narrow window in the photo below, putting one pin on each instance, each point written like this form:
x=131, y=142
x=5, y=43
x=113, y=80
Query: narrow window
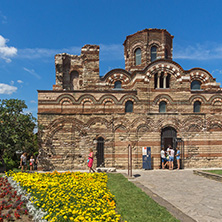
x=138, y=56
x=195, y=85
x=129, y=107
x=196, y=107
x=162, y=107
x=153, y=53
x=117, y=85
x=166, y=54
x=168, y=81
x=155, y=80
x=161, y=80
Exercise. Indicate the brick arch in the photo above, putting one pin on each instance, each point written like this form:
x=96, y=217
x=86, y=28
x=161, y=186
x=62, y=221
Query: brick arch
x=167, y=123
x=199, y=98
x=200, y=74
x=117, y=74
x=163, y=97
x=121, y=121
x=191, y=122
x=63, y=97
x=118, y=77
x=58, y=124
x=106, y=98
x=98, y=120
x=169, y=68
x=125, y=98
x=102, y=136
x=214, y=124
x=215, y=98
x=143, y=126
x=87, y=97
x=141, y=120
x=154, y=43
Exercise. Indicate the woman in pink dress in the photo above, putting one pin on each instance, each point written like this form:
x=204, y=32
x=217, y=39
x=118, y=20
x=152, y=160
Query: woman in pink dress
x=90, y=160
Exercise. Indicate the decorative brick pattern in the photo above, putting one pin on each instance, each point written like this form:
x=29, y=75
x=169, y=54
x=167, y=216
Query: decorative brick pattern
x=84, y=109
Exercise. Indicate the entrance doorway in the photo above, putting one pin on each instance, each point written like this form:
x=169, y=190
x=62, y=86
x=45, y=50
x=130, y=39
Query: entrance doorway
x=100, y=152
x=169, y=137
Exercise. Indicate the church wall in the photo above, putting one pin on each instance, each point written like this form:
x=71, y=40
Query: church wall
x=81, y=112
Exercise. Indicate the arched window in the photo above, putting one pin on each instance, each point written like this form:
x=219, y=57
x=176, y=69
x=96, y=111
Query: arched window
x=168, y=81
x=161, y=80
x=138, y=56
x=153, y=53
x=166, y=54
x=162, y=107
x=129, y=107
x=118, y=85
x=195, y=85
x=196, y=106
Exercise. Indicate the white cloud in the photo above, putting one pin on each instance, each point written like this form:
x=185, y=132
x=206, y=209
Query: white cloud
x=12, y=82
x=6, y=52
x=33, y=101
x=38, y=53
x=32, y=72
x=7, y=89
x=205, y=51
x=107, y=52
x=19, y=81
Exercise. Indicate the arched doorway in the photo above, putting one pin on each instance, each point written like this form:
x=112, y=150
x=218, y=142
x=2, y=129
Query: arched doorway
x=169, y=137
x=100, y=152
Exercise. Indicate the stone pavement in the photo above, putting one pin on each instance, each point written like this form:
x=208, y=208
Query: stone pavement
x=187, y=196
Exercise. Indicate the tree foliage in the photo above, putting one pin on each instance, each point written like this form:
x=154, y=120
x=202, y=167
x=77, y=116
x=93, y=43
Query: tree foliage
x=16, y=129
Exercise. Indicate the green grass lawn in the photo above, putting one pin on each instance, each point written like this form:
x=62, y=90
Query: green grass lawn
x=215, y=171
x=133, y=204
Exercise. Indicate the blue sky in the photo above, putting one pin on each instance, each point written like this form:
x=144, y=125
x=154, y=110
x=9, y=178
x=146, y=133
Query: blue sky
x=32, y=32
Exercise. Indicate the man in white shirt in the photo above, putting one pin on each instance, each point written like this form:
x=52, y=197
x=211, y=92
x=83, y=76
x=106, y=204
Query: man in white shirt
x=163, y=157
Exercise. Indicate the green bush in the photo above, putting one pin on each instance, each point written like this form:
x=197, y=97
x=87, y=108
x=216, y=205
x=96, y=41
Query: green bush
x=10, y=163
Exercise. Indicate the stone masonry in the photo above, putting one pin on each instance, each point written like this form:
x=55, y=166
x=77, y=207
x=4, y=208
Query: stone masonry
x=153, y=102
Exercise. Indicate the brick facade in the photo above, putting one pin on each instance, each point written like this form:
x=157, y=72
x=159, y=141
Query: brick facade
x=85, y=110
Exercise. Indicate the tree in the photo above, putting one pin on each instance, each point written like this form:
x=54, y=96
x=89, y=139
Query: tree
x=16, y=130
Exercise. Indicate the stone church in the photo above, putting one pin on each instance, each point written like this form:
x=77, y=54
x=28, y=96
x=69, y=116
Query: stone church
x=153, y=102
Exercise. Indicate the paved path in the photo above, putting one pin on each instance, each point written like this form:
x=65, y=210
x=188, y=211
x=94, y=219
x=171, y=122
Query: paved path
x=198, y=197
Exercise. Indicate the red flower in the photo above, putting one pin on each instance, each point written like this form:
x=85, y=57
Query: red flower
x=17, y=216
x=8, y=206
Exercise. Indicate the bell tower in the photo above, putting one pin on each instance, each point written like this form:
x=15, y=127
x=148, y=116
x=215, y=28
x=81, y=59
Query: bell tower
x=146, y=46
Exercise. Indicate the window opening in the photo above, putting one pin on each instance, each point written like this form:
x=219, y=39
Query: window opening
x=118, y=85
x=162, y=107
x=129, y=107
x=138, y=56
x=196, y=106
x=153, y=53
x=195, y=85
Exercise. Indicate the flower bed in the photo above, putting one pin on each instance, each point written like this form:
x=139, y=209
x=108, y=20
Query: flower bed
x=12, y=206
x=70, y=196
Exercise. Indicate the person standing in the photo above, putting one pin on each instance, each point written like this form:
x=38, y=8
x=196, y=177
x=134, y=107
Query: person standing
x=23, y=161
x=172, y=152
x=178, y=158
x=31, y=163
x=163, y=157
x=90, y=160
